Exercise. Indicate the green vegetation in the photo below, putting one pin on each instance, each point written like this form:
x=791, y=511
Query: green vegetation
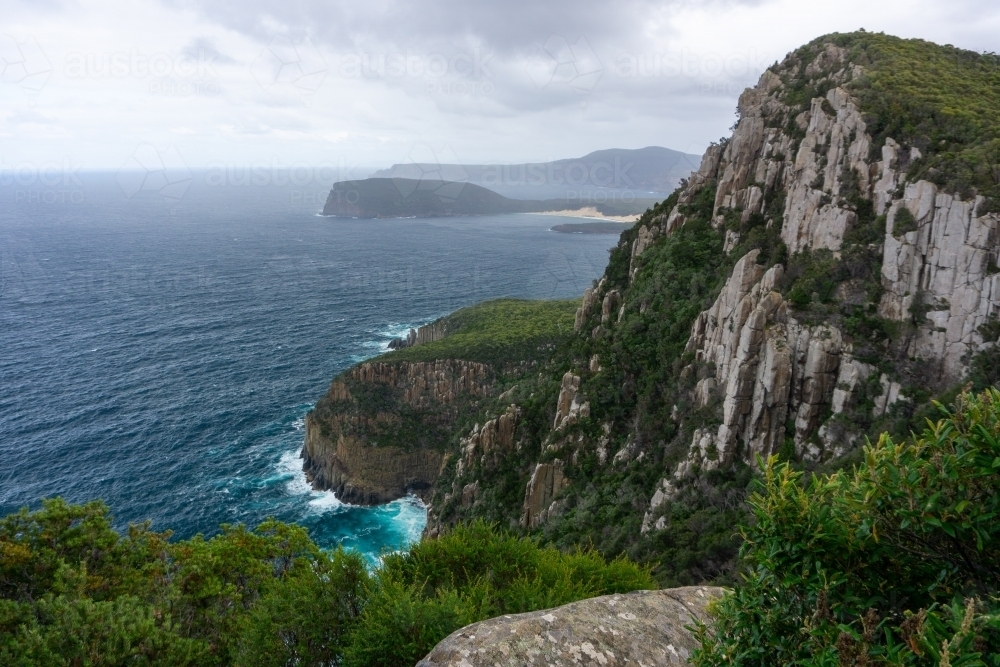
x=642, y=355
x=940, y=99
x=470, y=574
x=497, y=332
x=74, y=592
x=896, y=562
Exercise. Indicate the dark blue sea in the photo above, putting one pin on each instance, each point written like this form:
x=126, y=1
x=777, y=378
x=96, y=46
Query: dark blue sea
x=159, y=347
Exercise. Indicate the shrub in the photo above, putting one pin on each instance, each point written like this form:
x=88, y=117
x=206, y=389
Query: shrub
x=472, y=573
x=896, y=562
x=74, y=592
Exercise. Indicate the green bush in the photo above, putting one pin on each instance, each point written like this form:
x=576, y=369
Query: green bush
x=73, y=592
x=896, y=562
x=472, y=573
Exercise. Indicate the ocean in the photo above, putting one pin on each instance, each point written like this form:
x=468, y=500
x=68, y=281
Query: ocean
x=160, y=346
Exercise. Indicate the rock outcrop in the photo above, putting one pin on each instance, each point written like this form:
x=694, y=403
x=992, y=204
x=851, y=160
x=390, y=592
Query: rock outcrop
x=944, y=269
x=360, y=474
x=494, y=439
x=546, y=481
x=774, y=376
x=589, y=300
x=427, y=333
x=642, y=628
x=570, y=406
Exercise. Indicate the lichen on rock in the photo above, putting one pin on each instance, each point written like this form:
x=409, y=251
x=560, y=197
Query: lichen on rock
x=650, y=628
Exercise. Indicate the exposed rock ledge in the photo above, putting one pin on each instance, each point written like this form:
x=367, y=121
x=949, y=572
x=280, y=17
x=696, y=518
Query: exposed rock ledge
x=641, y=628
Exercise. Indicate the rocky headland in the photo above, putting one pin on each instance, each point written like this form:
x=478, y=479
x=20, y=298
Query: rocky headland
x=821, y=277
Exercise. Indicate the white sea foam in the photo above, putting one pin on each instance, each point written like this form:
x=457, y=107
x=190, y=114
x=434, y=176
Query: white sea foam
x=290, y=465
x=290, y=468
x=410, y=517
x=325, y=501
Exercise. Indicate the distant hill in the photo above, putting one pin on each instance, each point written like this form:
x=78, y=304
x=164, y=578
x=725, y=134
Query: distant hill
x=430, y=198
x=651, y=170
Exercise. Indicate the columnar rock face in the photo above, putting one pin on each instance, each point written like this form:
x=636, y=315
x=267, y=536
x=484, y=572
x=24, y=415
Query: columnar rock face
x=546, y=481
x=946, y=266
x=494, y=439
x=641, y=628
x=589, y=300
x=766, y=368
x=424, y=383
x=425, y=334
x=570, y=406
x=746, y=337
x=363, y=475
x=338, y=454
x=942, y=266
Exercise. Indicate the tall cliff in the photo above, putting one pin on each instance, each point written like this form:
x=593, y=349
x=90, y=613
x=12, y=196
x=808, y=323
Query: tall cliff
x=377, y=433
x=828, y=270
x=385, y=427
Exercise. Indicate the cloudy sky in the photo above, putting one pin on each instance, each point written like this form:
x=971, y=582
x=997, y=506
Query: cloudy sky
x=361, y=85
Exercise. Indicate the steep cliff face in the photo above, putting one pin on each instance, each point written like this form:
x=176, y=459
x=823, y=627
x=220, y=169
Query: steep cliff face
x=427, y=333
x=381, y=429
x=826, y=271
x=390, y=426
x=778, y=373
x=768, y=363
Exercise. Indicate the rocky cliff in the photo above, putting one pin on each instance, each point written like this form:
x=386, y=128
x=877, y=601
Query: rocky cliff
x=774, y=362
x=389, y=426
x=825, y=272
x=380, y=431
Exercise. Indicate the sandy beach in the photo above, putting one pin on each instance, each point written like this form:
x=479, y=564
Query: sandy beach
x=593, y=214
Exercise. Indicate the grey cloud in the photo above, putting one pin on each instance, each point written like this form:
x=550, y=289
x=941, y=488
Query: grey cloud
x=522, y=55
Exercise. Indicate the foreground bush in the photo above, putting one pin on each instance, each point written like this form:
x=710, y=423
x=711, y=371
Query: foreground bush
x=75, y=592
x=471, y=574
x=896, y=562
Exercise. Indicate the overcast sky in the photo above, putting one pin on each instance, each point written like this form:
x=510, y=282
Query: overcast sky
x=90, y=83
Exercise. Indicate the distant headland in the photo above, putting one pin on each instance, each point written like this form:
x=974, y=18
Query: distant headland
x=432, y=198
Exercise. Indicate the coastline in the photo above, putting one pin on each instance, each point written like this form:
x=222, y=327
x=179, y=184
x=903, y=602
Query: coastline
x=592, y=213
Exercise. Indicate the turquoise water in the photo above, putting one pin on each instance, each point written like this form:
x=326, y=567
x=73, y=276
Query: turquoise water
x=161, y=354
